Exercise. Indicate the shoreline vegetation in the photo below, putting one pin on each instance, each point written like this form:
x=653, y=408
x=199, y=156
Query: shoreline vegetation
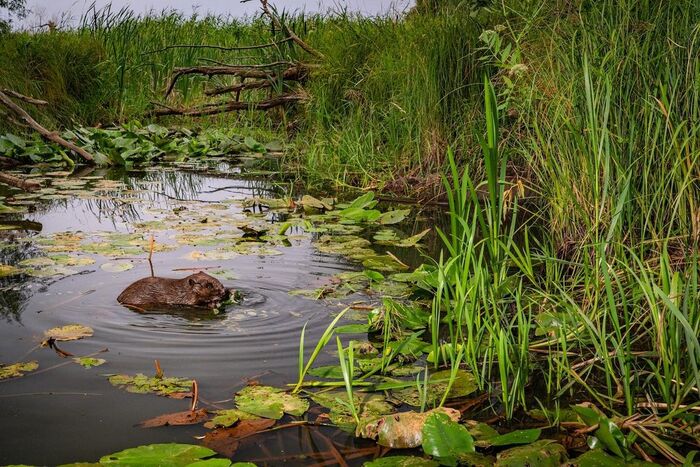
x=564, y=137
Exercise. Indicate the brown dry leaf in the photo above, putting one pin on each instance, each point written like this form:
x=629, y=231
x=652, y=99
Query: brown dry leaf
x=402, y=430
x=178, y=418
x=225, y=440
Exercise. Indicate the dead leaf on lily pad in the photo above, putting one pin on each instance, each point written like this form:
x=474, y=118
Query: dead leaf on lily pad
x=402, y=430
x=69, y=332
x=225, y=441
x=269, y=402
x=188, y=417
x=17, y=369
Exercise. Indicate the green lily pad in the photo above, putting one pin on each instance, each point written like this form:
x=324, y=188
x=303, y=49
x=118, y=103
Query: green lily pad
x=401, y=461
x=89, y=362
x=516, y=437
x=446, y=439
x=369, y=406
x=269, y=402
x=394, y=217
x=226, y=418
x=142, y=384
x=545, y=453
x=413, y=240
x=600, y=458
x=16, y=370
x=117, y=266
x=170, y=454
x=69, y=332
x=330, y=371
x=386, y=263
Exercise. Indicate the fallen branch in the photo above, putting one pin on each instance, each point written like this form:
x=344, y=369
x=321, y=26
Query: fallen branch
x=46, y=134
x=22, y=97
x=230, y=106
x=259, y=84
x=26, y=185
x=291, y=73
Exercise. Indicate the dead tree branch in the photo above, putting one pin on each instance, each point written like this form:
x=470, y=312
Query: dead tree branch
x=212, y=109
x=22, y=184
x=278, y=24
x=46, y=134
x=259, y=84
x=291, y=73
x=22, y=97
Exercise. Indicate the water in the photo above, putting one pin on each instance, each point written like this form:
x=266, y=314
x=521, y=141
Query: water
x=68, y=413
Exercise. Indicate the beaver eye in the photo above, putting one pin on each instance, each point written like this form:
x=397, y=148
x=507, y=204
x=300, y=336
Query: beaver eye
x=209, y=286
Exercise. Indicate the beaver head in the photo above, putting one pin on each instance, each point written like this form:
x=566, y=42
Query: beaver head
x=208, y=290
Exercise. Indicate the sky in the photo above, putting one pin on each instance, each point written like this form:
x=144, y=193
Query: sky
x=41, y=11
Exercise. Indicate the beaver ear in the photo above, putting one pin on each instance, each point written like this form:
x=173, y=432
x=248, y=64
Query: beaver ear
x=191, y=281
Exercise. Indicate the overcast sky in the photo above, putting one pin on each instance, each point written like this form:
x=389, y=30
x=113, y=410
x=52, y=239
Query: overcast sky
x=44, y=10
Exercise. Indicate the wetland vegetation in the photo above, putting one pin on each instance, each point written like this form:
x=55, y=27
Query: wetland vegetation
x=471, y=239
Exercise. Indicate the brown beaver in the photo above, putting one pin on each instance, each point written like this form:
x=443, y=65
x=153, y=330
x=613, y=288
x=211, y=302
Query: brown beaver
x=196, y=290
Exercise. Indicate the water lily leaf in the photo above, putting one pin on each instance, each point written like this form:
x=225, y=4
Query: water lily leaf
x=463, y=385
x=226, y=418
x=117, y=266
x=270, y=402
x=142, y=384
x=446, y=439
x=366, y=201
x=188, y=417
x=89, y=362
x=69, y=332
x=475, y=459
x=516, y=437
x=413, y=240
x=402, y=430
x=218, y=462
x=401, y=461
x=352, y=329
x=329, y=371
x=386, y=263
x=171, y=454
x=225, y=441
x=369, y=406
x=253, y=145
x=545, y=453
x=394, y=217
x=309, y=202
x=482, y=433
x=360, y=215
x=16, y=370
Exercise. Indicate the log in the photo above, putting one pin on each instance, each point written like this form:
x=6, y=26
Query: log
x=22, y=184
x=291, y=73
x=238, y=87
x=46, y=134
x=212, y=109
x=22, y=97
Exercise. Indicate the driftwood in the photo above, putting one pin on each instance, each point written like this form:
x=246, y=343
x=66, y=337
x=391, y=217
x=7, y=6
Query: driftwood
x=22, y=184
x=292, y=73
x=23, y=116
x=212, y=109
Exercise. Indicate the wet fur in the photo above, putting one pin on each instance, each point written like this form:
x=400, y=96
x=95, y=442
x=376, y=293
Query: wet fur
x=196, y=290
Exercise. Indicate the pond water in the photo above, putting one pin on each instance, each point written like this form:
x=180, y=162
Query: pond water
x=66, y=413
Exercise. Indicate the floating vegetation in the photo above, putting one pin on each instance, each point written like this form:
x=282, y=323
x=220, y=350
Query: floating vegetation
x=69, y=332
x=16, y=370
x=269, y=402
x=162, y=386
x=89, y=362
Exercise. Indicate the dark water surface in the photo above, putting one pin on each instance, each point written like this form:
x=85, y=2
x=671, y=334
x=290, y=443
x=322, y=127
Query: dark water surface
x=68, y=413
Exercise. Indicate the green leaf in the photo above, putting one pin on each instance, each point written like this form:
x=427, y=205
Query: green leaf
x=17, y=369
x=170, y=454
x=543, y=453
x=89, y=362
x=394, y=217
x=270, y=402
x=401, y=461
x=329, y=371
x=516, y=437
x=445, y=438
x=599, y=458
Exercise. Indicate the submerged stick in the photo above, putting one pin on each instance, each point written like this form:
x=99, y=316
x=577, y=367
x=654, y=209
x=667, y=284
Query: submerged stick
x=46, y=134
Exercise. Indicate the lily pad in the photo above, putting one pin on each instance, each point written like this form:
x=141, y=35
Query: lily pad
x=600, y=458
x=413, y=240
x=402, y=430
x=142, y=384
x=444, y=438
x=394, y=217
x=516, y=437
x=545, y=453
x=171, y=454
x=69, y=332
x=269, y=402
x=16, y=370
x=89, y=362
x=401, y=461
x=228, y=417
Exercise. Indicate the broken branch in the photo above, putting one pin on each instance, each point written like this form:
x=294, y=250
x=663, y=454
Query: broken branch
x=231, y=106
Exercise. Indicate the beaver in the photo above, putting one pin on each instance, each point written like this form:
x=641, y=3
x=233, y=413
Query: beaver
x=196, y=290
